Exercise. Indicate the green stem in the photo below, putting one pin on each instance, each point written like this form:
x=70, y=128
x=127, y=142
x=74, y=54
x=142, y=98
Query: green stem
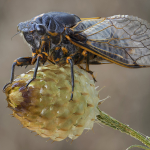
x=138, y=146
x=113, y=123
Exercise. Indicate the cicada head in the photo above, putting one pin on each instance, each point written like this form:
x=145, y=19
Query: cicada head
x=32, y=32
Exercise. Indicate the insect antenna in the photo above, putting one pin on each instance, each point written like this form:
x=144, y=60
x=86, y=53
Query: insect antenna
x=15, y=35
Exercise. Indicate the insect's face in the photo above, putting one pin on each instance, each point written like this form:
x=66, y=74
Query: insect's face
x=32, y=32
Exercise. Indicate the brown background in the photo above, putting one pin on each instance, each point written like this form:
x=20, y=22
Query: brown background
x=129, y=88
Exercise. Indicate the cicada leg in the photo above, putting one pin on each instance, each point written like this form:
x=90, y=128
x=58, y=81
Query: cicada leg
x=22, y=61
x=86, y=54
x=69, y=60
x=40, y=58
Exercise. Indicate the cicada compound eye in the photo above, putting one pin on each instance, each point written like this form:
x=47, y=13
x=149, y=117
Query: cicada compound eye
x=40, y=29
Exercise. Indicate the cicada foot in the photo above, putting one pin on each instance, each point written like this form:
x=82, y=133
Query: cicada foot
x=29, y=82
x=6, y=85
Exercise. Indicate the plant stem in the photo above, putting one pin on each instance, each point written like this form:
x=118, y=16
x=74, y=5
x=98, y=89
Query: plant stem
x=113, y=123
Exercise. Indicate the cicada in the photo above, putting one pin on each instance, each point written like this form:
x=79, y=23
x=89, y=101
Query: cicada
x=63, y=38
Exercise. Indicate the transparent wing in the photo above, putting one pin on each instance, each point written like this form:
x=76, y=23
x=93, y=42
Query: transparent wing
x=120, y=39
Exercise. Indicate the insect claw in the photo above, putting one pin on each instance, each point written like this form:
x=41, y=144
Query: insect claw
x=94, y=80
x=6, y=86
x=29, y=82
x=71, y=100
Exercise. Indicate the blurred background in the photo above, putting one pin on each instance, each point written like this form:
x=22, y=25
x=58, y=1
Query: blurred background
x=129, y=88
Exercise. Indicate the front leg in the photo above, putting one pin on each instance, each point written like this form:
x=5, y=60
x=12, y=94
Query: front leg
x=69, y=60
x=22, y=61
x=40, y=58
x=35, y=71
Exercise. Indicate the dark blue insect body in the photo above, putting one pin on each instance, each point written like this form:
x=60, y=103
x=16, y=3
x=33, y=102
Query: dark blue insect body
x=62, y=38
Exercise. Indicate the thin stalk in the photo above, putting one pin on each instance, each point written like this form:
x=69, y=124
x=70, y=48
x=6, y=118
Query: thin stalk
x=115, y=124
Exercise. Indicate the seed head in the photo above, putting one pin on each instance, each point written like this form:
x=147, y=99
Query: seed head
x=45, y=106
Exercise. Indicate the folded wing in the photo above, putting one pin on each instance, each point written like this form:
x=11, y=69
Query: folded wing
x=121, y=39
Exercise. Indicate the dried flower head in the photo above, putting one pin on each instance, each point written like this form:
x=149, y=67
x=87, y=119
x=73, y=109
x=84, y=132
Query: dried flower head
x=44, y=106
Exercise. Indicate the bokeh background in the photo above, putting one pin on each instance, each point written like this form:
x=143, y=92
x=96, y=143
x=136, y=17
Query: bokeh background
x=129, y=88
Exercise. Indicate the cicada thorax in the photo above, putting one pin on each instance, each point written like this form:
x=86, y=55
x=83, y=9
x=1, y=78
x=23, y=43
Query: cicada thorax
x=55, y=24
x=60, y=51
x=63, y=48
